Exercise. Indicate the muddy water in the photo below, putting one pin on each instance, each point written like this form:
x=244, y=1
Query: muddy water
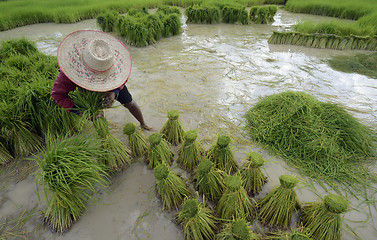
x=211, y=74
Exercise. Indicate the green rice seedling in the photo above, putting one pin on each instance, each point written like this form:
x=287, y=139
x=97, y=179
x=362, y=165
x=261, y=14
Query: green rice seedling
x=253, y=14
x=21, y=46
x=235, y=14
x=277, y=207
x=5, y=156
x=173, y=130
x=165, y=9
x=297, y=234
x=221, y=154
x=252, y=175
x=321, y=139
x=263, y=14
x=323, y=219
x=191, y=152
x=359, y=63
x=136, y=138
x=197, y=220
x=235, y=203
x=106, y=20
x=209, y=180
x=170, y=187
x=69, y=175
x=237, y=229
x=159, y=151
x=207, y=14
x=172, y=25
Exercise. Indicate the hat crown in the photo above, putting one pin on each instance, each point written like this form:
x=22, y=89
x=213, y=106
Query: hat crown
x=98, y=55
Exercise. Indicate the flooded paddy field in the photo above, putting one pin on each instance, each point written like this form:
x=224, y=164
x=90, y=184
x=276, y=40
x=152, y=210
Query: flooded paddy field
x=211, y=74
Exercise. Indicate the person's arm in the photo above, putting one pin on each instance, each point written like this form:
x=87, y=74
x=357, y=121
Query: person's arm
x=62, y=86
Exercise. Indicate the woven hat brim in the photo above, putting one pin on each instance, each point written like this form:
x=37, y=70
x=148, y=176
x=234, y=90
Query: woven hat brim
x=71, y=63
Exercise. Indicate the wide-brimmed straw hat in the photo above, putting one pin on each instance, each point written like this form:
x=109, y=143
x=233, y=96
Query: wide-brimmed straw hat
x=94, y=60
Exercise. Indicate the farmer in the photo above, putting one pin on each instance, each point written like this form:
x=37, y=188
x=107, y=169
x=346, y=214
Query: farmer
x=98, y=62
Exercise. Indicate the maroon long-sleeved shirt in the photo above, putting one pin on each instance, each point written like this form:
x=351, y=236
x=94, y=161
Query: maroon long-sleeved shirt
x=62, y=86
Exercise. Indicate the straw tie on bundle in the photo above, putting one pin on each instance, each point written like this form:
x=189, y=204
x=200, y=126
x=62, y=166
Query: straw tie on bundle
x=276, y=208
x=209, y=181
x=252, y=176
x=136, y=138
x=235, y=203
x=197, y=221
x=323, y=218
x=159, y=151
x=191, y=152
x=170, y=187
x=237, y=229
x=173, y=130
x=221, y=154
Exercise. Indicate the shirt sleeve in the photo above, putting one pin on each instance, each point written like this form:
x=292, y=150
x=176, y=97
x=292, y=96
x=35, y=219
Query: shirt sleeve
x=62, y=86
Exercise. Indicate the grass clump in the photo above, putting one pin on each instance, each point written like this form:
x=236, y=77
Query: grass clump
x=221, y=154
x=197, y=220
x=136, y=138
x=191, y=152
x=321, y=139
x=209, y=180
x=277, y=207
x=235, y=203
x=252, y=175
x=364, y=64
x=170, y=187
x=69, y=175
x=237, y=229
x=159, y=151
x=173, y=130
x=323, y=219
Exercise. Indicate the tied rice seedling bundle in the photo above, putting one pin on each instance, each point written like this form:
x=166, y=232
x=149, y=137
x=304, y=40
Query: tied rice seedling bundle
x=69, y=175
x=209, y=180
x=235, y=202
x=252, y=175
x=170, y=187
x=159, y=151
x=323, y=219
x=191, y=152
x=237, y=229
x=173, y=130
x=221, y=154
x=136, y=138
x=263, y=14
x=197, y=220
x=106, y=20
x=276, y=208
x=235, y=14
x=207, y=14
x=90, y=104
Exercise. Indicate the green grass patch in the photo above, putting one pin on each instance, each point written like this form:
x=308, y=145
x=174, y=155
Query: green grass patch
x=365, y=64
x=320, y=139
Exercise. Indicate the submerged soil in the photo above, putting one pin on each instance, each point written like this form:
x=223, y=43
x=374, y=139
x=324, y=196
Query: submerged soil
x=211, y=74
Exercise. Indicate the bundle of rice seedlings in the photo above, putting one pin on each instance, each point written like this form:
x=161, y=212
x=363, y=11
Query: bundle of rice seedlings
x=235, y=202
x=323, y=219
x=69, y=175
x=237, y=229
x=252, y=176
x=170, y=187
x=235, y=14
x=221, y=154
x=209, y=180
x=276, y=208
x=5, y=156
x=106, y=20
x=136, y=138
x=173, y=130
x=207, y=14
x=159, y=151
x=197, y=220
x=90, y=104
x=191, y=152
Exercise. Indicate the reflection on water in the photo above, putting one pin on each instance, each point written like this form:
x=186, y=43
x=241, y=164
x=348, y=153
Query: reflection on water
x=212, y=74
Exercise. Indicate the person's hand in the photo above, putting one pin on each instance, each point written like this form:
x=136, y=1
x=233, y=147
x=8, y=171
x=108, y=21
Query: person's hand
x=109, y=99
